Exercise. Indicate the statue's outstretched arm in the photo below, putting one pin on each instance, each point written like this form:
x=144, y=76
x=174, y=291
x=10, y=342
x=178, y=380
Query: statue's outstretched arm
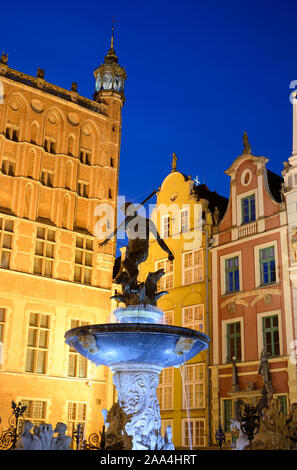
x=162, y=244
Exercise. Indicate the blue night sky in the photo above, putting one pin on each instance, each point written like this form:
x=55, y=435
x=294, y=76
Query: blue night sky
x=200, y=73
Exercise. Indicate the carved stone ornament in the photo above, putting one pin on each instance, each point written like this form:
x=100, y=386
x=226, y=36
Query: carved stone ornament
x=88, y=342
x=73, y=118
x=37, y=105
x=15, y=105
x=136, y=386
x=231, y=307
x=52, y=119
x=268, y=299
x=294, y=243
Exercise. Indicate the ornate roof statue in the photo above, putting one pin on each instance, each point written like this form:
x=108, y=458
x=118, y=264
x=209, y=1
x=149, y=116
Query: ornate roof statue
x=4, y=58
x=246, y=145
x=174, y=160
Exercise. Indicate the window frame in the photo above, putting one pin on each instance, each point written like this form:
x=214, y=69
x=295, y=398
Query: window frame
x=223, y=273
x=237, y=337
x=83, y=250
x=257, y=248
x=36, y=420
x=196, y=384
x=194, y=429
x=71, y=423
x=224, y=338
x=233, y=270
x=260, y=338
x=162, y=283
x=198, y=266
x=182, y=211
x=250, y=219
x=37, y=348
x=44, y=258
x=166, y=233
x=272, y=329
x=268, y=261
x=226, y=419
x=5, y=250
x=78, y=358
x=192, y=324
x=165, y=389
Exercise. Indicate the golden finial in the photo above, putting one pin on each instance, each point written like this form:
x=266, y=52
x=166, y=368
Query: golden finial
x=112, y=32
x=174, y=160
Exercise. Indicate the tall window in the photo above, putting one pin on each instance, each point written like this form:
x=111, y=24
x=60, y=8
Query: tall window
x=193, y=317
x=248, y=209
x=47, y=178
x=233, y=341
x=165, y=389
x=6, y=234
x=50, y=145
x=283, y=403
x=83, y=260
x=77, y=365
x=165, y=226
x=164, y=424
x=8, y=167
x=232, y=274
x=166, y=281
x=76, y=414
x=37, y=343
x=193, y=266
x=271, y=335
x=85, y=156
x=267, y=265
x=36, y=411
x=184, y=220
x=2, y=323
x=194, y=386
x=44, y=251
x=12, y=132
x=168, y=317
x=194, y=432
x=228, y=412
x=83, y=188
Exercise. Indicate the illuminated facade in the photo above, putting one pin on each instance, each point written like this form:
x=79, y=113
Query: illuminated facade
x=59, y=159
x=184, y=216
x=251, y=292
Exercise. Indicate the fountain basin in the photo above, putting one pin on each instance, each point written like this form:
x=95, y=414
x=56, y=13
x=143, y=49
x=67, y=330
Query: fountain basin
x=115, y=343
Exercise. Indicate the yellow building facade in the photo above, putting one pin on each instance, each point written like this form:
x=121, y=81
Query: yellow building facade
x=184, y=215
x=59, y=160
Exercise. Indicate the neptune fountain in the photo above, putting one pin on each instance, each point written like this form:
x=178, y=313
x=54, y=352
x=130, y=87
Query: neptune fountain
x=138, y=346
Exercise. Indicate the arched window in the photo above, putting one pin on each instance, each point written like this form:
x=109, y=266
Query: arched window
x=66, y=209
x=15, y=113
x=86, y=144
x=70, y=147
x=31, y=163
x=27, y=201
x=34, y=132
x=52, y=130
x=68, y=175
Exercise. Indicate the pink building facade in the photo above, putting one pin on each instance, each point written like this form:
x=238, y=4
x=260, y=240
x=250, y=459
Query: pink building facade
x=251, y=292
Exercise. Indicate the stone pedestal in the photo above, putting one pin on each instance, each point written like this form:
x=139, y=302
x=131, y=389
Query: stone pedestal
x=136, y=385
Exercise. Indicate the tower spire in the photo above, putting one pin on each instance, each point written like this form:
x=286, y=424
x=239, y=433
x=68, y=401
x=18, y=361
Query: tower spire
x=112, y=34
x=110, y=75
